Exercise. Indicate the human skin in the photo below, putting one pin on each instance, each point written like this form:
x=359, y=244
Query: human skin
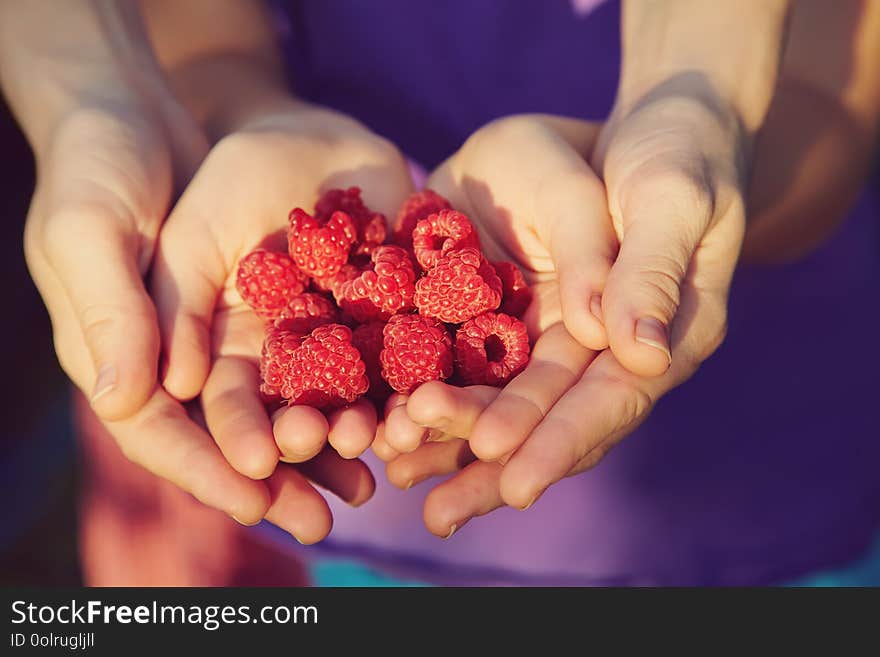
x=830, y=154
x=271, y=152
x=113, y=147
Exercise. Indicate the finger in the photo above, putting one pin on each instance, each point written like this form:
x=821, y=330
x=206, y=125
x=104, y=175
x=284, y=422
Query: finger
x=349, y=479
x=662, y=220
x=582, y=244
x=380, y=446
x=351, y=429
x=297, y=507
x=448, y=409
x=166, y=442
x=300, y=433
x=472, y=492
x=401, y=433
x=557, y=362
x=237, y=419
x=186, y=281
x=115, y=315
x=607, y=401
x=429, y=460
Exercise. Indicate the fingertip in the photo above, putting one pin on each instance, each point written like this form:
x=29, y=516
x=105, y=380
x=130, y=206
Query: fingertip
x=120, y=392
x=250, y=509
x=642, y=346
x=258, y=462
x=188, y=353
x=401, y=433
x=351, y=429
x=300, y=433
x=380, y=446
x=430, y=405
x=439, y=516
x=298, y=508
x=517, y=488
x=491, y=436
x=582, y=315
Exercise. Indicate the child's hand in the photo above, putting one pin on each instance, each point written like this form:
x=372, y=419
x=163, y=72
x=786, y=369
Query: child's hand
x=526, y=183
x=238, y=200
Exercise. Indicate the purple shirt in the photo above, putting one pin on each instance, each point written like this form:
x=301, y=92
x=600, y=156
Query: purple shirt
x=765, y=465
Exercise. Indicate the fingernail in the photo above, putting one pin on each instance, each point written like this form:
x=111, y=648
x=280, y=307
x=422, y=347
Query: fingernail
x=105, y=382
x=244, y=524
x=451, y=532
x=409, y=484
x=437, y=436
x=652, y=332
x=531, y=501
x=286, y=459
x=596, y=306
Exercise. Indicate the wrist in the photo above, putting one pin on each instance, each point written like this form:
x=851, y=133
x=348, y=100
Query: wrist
x=54, y=62
x=731, y=50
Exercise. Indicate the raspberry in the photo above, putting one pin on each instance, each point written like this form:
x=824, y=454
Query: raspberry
x=491, y=349
x=267, y=281
x=371, y=226
x=277, y=354
x=462, y=285
x=305, y=312
x=332, y=283
x=320, y=250
x=417, y=349
x=515, y=295
x=440, y=233
x=383, y=290
x=368, y=340
x=325, y=371
x=418, y=206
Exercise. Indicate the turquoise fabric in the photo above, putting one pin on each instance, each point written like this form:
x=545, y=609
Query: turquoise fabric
x=336, y=572
x=861, y=572
x=339, y=572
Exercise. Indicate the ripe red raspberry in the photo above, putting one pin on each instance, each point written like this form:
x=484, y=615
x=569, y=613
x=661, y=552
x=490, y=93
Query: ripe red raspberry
x=462, y=285
x=320, y=250
x=371, y=226
x=383, y=290
x=267, y=281
x=368, y=339
x=325, y=371
x=277, y=354
x=515, y=293
x=332, y=283
x=305, y=312
x=491, y=349
x=417, y=349
x=440, y=233
x=418, y=206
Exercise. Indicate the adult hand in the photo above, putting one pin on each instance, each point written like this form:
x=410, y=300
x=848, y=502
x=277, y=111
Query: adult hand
x=239, y=200
x=526, y=182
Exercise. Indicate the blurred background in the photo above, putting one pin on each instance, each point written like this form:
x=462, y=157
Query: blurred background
x=38, y=460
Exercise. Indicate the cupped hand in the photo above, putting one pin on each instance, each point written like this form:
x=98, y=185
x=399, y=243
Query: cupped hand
x=526, y=182
x=105, y=181
x=239, y=200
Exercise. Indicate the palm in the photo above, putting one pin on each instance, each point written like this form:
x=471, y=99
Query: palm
x=239, y=200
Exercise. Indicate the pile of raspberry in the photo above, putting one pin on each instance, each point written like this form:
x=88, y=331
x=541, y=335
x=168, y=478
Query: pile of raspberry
x=353, y=310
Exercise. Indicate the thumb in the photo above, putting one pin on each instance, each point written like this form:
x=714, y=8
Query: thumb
x=115, y=315
x=662, y=227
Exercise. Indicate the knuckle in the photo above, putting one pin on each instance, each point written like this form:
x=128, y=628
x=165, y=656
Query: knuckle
x=655, y=281
x=628, y=403
x=101, y=322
